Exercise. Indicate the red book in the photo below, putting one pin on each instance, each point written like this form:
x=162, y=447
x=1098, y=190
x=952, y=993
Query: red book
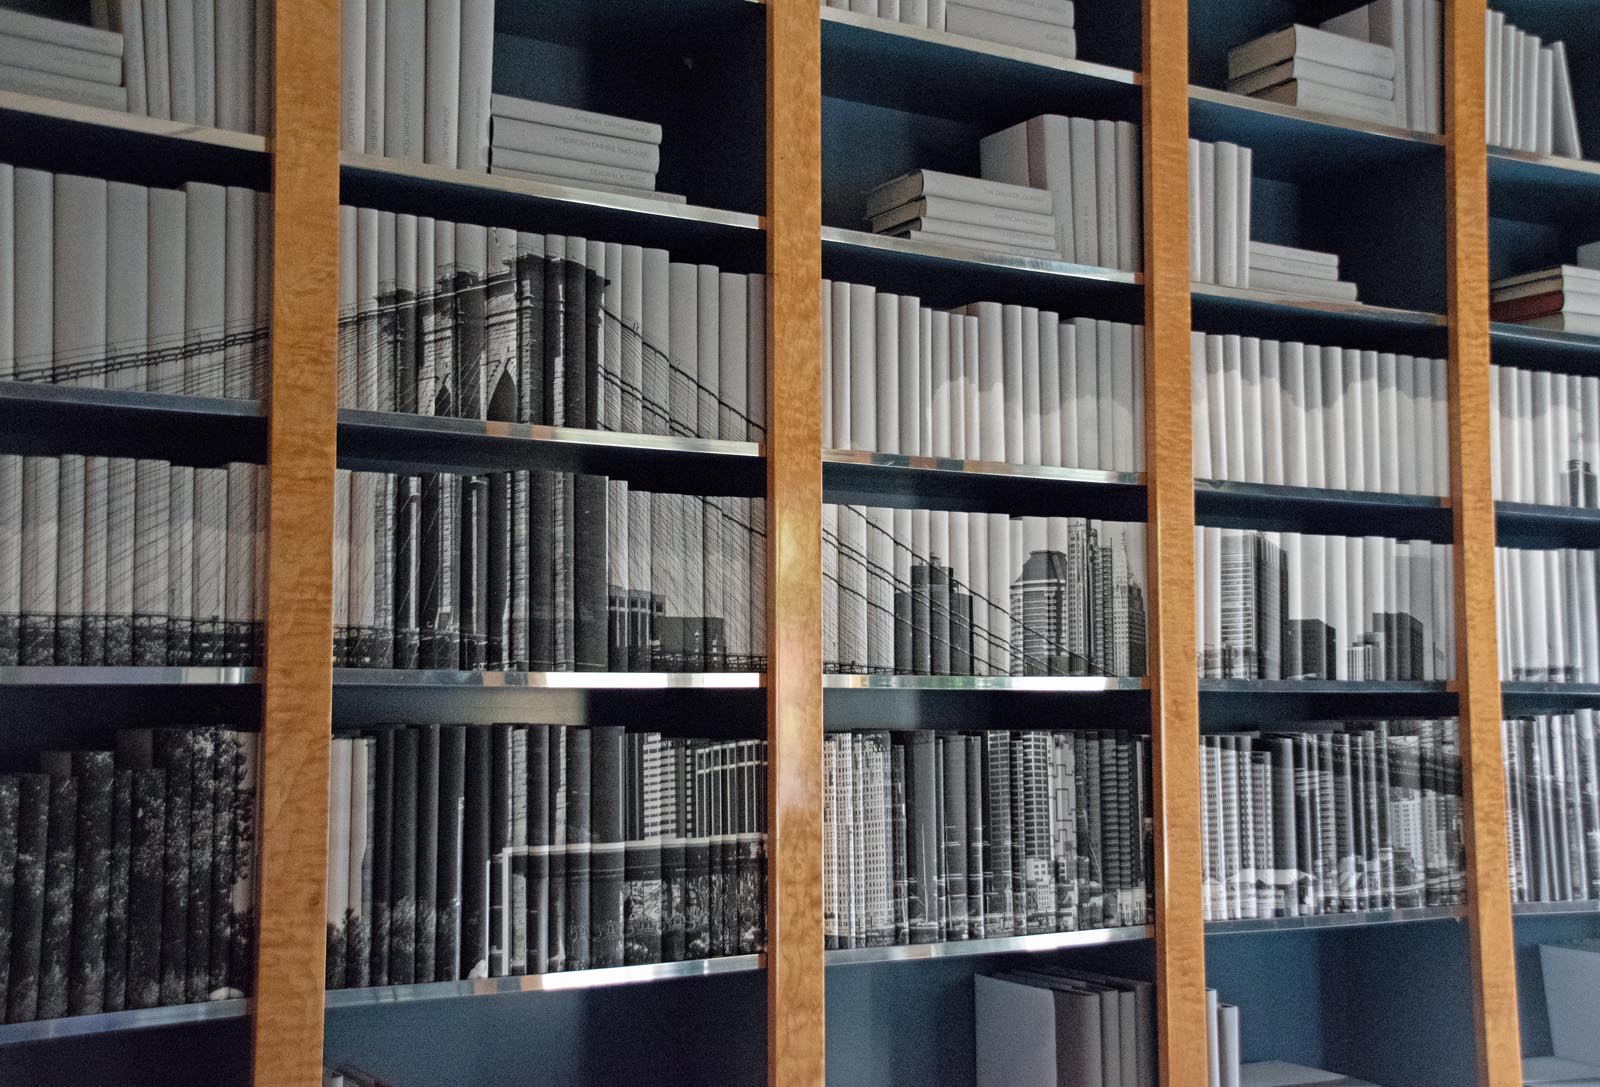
x=1529, y=307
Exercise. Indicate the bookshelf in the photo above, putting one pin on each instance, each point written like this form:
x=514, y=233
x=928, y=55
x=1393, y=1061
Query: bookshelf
x=789, y=115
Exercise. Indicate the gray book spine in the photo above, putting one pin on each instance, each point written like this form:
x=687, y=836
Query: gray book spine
x=28, y=901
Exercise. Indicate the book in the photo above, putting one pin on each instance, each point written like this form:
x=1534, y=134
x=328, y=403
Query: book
x=578, y=120
x=927, y=183
x=1027, y=33
x=1328, y=99
x=1317, y=72
x=1298, y=41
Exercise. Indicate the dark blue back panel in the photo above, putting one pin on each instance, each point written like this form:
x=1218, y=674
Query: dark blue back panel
x=1531, y=1009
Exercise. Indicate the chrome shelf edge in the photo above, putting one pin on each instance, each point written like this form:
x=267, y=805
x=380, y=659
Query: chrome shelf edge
x=565, y=681
x=78, y=1026
x=565, y=194
x=952, y=949
x=78, y=676
x=1336, y=920
x=1070, y=66
x=909, y=463
x=401, y=423
x=1318, y=494
x=1508, y=331
x=1324, y=306
x=382, y=995
x=130, y=122
x=44, y=393
x=1047, y=684
x=1325, y=686
x=1311, y=116
x=1545, y=689
x=1551, y=162
x=1555, y=909
x=862, y=240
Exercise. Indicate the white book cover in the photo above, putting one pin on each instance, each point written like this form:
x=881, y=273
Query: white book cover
x=1313, y=44
x=1217, y=401
x=1388, y=28
x=1314, y=72
x=1067, y=359
x=1125, y=420
x=1200, y=413
x=1048, y=336
x=1355, y=430
x=442, y=81
x=1108, y=230
x=920, y=183
x=1316, y=466
x=991, y=26
x=886, y=371
x=1085, y=214
x=33, y=261
x=1333, y=418
x=1566, y=140
x=993, y=439
x=684, y=338
x=1106, y=383
x=1012, y=398
x=376, y=75
x=404, y=89
x=1272, y=432
x=1241, y=233
x=79, y=335
x=840, y=338
x=167, y=277
x=1293, y=412
x=1251, y=413
x=708, y=361
x=1510, y=84
x=1332, y=100
x=655, y=342
x=157, y=76
x=1196, y=215
x=1130, y=224
x=235, y=29
x=909, y=393
x=127, y=294
x=211, y=558
x=1545, y=110
x=180, y=59
x=863, y=416
x=1209, y=260
x=239, y=295
x=511, y=162
x=205, y=279
x=205, y=62
x=477, y=84
x=732, y=357
x=944, y=390
x=580, y=120
x=1233, y=408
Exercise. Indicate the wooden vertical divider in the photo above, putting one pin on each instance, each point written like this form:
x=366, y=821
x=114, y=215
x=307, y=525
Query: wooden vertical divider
x=1471, y=494
x=297, y=684
x=795, y=963
x=1174, y=689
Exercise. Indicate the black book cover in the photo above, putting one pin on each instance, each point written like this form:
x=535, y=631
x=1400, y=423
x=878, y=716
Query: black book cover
x=55, y=949
x=530, y=337
x=382, y=854
x=436, y=572
x=939, y=639
x=697, y=894
x=146, y=887
x=713, y=554
x=472, y=538
x=225, y=789
x=555, y=924
x=519, y=582
x=428, y=826
x=576, y=407
x=470, y=339
x=202, y=801
x=641, y=937
x=91, y=894
x=674, y=862
x=904, y=643
x=497, y=599
x=538, y=786
x=1345, y=814
x=27, y=907
x=921, y=617
x=749, y=865
x=407, y=552
x=579, y=776
x=594, y=319
x=898, y=842
x=953, y=750
x=499, y=850
x=401, y=333
x=999, y=915
x=607, y=860
x=452, y=801
x=923, y=892
x=977, y=857
x=475, y=854
x=403, y=860
x=590, y=574
x=960, y=633
x=9, y=832
x=541, y=571
x=555, y=332
x=1305, y=785
x=358, y=947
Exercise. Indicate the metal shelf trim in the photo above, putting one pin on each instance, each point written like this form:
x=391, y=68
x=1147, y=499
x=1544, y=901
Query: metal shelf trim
x=1556, y=909
x=1048, y=684
x=605, y=681
x=952, y=949
x=78, y=1026
x=832, y=235
x=382, y=995
x=982, y=468
x=1310, y=116
x=1325, y=686
x=129, y=122
x=77, y=676
x=1257, y=296
x=400, y=423
x=1335, y=920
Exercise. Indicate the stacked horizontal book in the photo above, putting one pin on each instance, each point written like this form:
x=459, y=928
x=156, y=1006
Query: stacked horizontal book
x=1529, y=89
x=472, y=322
x=1287, y=605
x=1546, y=437
x=1548, y=615
x=1306, y=272
x=416, y=80
x=1286, y=1074
x=1565, y=298
x=539, y=141
x=1051, y=1026
x=1553, y=807
x=950, y=593
x=1353, y=816
x=1042, y=25
x=991, y=382
x=115, y=562
x=1219, y=213
x=129, y=877
x=1300, y=415
x=1413, y=31
x=1317, y=70
x=1091, y=170
x=545, y=571
x=471, y=851
x=119, y=286
x=932, y=837
x=965, y=212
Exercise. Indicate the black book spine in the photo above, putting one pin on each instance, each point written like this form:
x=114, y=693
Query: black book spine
x=407, y=552
x=555, y=332
x=976, y=854
x=594, y=318
x=924, y=894
x=437, y=571
x=146, y=886
x=541, y=571
x=358, y=952
x=471, y=329
x=960, y=633
x=999, y=914
x=91, y=896
x=403, y=861
x=555, y=924
x=452, y=800
x=590, y=573
x=475, y=853
x=921, y=617
x=579, y=777
x=224, y=854
x=530, y=338
x=898, y=842
x=202, y=804
x=10, y=831
x=575, y=405
x=499, y=850
x=27, y=908
x=428, y=827
x=472, y=536
x=904, y=651
x=953, y=750
x=55, y=949
x=674, y=892
x=538, y=786
x=497, y=601
x=607, y=863
x=383, y=816
x=939, y=631
x=406, y=331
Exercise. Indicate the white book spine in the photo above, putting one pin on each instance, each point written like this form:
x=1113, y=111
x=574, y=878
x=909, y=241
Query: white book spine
x=1085, y=213
x=79, y=335
x=376, y=74
x=1251, y=410
x=1293, y=410
x=127, y=291
x=477, y=84
x=1196, y=215
x=442, y=80
x=909, y=393
x=1013, y=400
x=404, y=91
x=1273, y=434
x=1106, y=160
x=241, y=349
x=1048, y=337
x=733, y=358
x=1125, y=419
x=1356, y=472
x=1130, y=225
x=992, y=435
x=205, y=62
x=1333, y=409
x=886, y=370
x=205, y=278
x=180, y=58
x=1200, y=408
x=1088, y=396
x=353, y=76
x=235, y=26
x=34, y=267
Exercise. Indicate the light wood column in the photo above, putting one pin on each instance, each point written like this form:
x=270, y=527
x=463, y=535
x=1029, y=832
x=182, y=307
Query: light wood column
x=796, y=1030
x=1174, y=690
x=1477, y=662
x=297, y=687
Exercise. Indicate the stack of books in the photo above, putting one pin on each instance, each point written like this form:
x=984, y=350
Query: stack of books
x=1224, y=1047
x=1546, y=442
x=1045, y=26
x=1315, y=69
x=62, y=60
x=1412, y=31
x=1288, y=270
x=1531, y=105
x=1050, y=1025
x=1549, y=631
x=537, y=141
x=1571, y=976
x=1553, y=792
x=1565, y=298
x=1219, y=213
x=1091, y=169
x=965, y=212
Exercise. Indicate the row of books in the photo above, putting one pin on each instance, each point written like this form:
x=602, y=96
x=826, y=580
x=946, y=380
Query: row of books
x=1287, y=605
x=931, y=837
x=990, y=382
x=1305, y=272
x=1091, y=169
x=1565, y=298
x=1219, y=213
x=108, y=561
x=1319, y=70
x=540, y=141
x=180, y=60
x=966, y=213
x=1413, y=31
x=1546, y=439
x=416, y=80
x=1350, y=817
x=1046, y=1025
x=469, y=851
x=1307, y=416
x=120, y=286
x=127, y=878
x=936, y=592
x=1553, y=807
x=453, y=319
x=545, y=571
x=1042, y=25
x=1529, y=90
x=1549, y=620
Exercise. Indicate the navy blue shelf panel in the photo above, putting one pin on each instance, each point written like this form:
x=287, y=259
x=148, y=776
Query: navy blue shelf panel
x=1536, y=698
x=1525, y=524
x=887, y=479
x=1266, y=925
x=202, y=431
x=594, y=23
x=208, y=1052
x=1287, y=317
x=1544, y=923
x=1289, y=704
x=1541, y=349
x=1523, y=185
x=974, y=704
x=1227, y=504
x=1294, y=144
